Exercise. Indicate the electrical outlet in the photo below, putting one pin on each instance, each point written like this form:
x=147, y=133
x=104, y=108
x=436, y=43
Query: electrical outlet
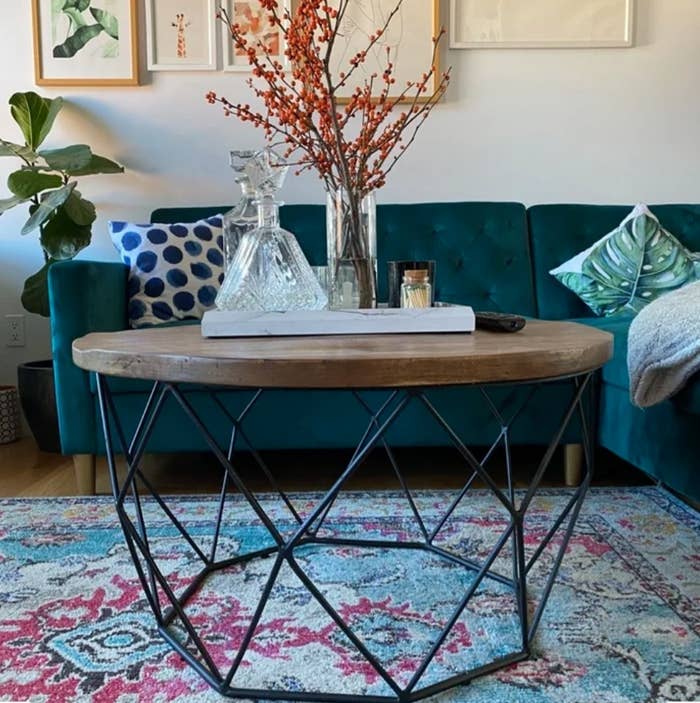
x=14, y=330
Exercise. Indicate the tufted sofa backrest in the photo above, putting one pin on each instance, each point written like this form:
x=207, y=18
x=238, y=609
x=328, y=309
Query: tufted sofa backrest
x=481, y=249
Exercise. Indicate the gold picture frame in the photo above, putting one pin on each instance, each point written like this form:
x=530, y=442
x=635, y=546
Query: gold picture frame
x=111, y=58
x=412, y=38
x=423, y=18
x=541, y=24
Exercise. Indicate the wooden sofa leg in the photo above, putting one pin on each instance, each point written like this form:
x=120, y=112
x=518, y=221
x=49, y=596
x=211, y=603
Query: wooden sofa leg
x=573, y=464
x=84, y=466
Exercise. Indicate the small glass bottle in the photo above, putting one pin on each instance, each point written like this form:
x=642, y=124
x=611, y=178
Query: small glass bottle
x=415, y=289
x=243, y=217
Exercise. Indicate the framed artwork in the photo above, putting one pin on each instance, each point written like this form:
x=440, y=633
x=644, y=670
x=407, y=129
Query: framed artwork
x=85, y=42
x=541, y=23
x=181, y=35
x=408, y=41
x=250, y=15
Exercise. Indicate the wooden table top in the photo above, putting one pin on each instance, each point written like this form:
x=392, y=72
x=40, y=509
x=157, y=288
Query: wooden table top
x=542, y=350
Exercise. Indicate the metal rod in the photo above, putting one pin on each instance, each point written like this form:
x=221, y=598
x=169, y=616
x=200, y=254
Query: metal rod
x=359, y=645
x=128, y=450
x=553, y=530
x=520, y=576
x=333, y=492
x=547, y=458
x=365, y=435
x=242, y=558
x=397, y=471
x=471, y=565
x=463, y=492
x=557, y=563
x=171, y=516
x=264, y=597
x=102, y=396
x=462, y=679
x=254, y=504
x=219, y=517
x=468, y=456
x=198, y=580
x=173, y=599
x=458, y=611
x=237, y=427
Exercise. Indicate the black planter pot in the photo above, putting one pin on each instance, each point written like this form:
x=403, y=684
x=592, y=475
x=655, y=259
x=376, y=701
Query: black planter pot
x=38, y=398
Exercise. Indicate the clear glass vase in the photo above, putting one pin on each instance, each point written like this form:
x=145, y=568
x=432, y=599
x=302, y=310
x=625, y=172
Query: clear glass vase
x=269, y=271
x=243, y=217
x=351, y=238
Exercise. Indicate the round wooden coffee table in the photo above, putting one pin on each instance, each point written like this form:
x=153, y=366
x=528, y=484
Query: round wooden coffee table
x=407, y=367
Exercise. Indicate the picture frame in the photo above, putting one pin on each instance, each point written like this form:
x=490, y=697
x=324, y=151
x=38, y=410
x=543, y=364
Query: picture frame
x=409, y=39
x=181, y=35
x=94, y=43
x=237, y=63
x=553, y=24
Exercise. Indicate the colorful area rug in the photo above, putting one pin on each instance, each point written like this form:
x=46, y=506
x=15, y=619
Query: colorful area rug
x=622, y=624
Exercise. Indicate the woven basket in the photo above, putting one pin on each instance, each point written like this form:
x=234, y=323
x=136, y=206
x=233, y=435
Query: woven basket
x=9, y=414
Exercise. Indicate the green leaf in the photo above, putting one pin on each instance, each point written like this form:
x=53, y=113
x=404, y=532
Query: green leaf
x=76, y=41
x=98, y=164
x=76, y=18
x=80, y=5
x=34, y=115
x=9, y=203
x=49, y=203
x=62, y=238
x=27, y=182
x=637, y=263
x=80, y=210
x=69, y=158
x=108, y=21
x=35, y=296
x=19, y=150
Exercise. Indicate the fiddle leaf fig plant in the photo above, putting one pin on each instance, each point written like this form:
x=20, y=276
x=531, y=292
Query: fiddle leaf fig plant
x=58, y=212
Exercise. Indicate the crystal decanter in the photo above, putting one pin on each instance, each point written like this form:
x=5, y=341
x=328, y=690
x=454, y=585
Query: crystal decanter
x=269, y=271
x=243, y=217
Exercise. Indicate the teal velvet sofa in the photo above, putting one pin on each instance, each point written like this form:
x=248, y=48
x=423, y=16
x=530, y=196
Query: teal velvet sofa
x=493, y=256
x=664, y=440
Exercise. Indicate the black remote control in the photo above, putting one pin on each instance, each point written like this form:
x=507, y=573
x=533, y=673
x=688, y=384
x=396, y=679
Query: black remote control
x=499, y=322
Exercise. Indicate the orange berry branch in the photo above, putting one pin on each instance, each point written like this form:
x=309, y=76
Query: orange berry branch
x=353, y=145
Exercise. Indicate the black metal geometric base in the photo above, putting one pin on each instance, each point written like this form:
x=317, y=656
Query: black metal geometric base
x=168, y=607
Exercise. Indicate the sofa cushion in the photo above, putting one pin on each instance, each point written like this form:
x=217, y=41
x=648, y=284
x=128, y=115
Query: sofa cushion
x=175, y=269
x=558, y=232
x=615, y=371
x=629, y=267
x=688, y=399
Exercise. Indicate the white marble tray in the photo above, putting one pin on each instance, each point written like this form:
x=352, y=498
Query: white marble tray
x=222, y=323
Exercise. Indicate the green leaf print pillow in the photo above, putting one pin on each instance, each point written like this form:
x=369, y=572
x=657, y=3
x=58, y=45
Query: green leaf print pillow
x=629, y=267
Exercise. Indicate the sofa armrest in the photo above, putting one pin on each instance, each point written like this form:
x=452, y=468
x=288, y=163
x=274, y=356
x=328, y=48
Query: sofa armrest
x=84, y=296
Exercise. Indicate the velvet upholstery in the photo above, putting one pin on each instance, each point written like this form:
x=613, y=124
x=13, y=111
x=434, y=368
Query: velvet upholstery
x=688, y=399
x=558, y=232
x=85, y=296
x=481, y=249
x=663, y=441
x=490, y=255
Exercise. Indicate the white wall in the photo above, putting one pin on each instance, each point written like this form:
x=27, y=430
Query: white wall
x=600, y=125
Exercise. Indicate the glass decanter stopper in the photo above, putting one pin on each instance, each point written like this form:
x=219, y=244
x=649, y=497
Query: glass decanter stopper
x=243, y=217
x=269, y=271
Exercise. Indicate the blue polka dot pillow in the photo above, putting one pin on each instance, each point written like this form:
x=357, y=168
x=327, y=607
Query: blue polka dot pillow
x=175, y=269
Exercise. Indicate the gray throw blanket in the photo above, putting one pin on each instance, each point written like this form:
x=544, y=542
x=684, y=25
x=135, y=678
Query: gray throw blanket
x=664, y=346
